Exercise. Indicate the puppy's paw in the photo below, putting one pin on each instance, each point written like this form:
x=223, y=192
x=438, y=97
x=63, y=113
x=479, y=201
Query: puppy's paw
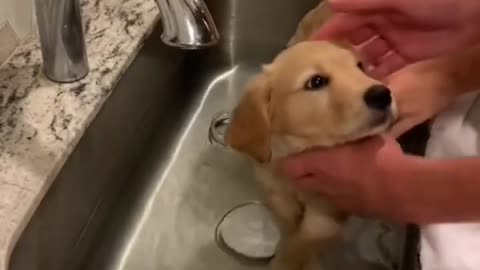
x=319, y=225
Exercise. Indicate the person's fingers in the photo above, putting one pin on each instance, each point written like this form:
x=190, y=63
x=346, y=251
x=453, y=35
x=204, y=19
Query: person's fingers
x=374, y=49
x=361, y=35
x=342, y=25
x=329, y=192
x=294, y=166
x=388, y=64
x=362, y=5
x=300, y=165
x=317, y=183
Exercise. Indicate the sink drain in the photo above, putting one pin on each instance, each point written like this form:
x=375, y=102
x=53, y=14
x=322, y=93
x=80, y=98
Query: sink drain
x=218, y=127
x=248, y=232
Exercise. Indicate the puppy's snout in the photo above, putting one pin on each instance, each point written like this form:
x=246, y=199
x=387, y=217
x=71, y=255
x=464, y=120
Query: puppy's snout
x=378, y=97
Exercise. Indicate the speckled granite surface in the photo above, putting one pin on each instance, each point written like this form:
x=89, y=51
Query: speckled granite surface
x=41, y=122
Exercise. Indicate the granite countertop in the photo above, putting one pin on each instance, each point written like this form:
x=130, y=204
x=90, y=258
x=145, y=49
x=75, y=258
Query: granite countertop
x=41, y=121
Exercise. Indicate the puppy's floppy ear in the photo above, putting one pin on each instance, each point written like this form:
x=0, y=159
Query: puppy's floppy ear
x=310, y=23
x=249, y=128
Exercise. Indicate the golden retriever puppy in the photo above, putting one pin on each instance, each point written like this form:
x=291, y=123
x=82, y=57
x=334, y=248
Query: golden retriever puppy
x=312, y=94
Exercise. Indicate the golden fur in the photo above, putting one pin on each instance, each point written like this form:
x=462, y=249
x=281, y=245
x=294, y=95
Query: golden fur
x=310, y=23
x=277, y=117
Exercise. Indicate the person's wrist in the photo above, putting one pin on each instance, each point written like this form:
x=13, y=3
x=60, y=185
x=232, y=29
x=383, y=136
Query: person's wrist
x=453, y=190
x=433, y=191
x=422, y=191
x=397, y=186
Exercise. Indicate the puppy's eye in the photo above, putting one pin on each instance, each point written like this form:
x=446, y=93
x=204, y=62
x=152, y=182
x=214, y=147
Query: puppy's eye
x=316, y=82
x=361, y=66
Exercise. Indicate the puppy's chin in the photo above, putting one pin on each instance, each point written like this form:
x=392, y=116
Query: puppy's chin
x=379, y=123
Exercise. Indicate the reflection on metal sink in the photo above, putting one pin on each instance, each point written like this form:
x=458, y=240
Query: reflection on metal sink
x=150, y=180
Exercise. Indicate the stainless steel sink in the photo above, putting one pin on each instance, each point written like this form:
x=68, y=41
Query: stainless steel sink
x=150, y=180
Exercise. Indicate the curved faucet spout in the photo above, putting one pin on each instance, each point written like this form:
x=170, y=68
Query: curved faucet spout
x=187, y=24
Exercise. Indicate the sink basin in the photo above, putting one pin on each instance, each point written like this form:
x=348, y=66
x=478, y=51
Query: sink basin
x=150, y=180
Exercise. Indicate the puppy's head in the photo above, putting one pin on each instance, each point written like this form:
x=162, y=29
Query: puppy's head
x=316, y=91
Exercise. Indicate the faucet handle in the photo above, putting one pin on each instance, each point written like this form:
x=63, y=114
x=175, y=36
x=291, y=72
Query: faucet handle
x=187, y=24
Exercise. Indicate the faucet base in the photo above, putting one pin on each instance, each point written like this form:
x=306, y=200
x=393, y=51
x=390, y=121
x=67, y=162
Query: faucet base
x=189, y=46
x=73, y=79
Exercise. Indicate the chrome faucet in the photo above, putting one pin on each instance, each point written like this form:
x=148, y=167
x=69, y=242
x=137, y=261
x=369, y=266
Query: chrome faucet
x=62, y=40
x=187, y=24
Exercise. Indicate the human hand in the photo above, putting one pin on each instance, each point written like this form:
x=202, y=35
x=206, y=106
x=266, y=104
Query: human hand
x=393, y=33
x=361, y=178
x=421, y=91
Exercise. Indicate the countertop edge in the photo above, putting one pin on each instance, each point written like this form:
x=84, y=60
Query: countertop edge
x=41, y=122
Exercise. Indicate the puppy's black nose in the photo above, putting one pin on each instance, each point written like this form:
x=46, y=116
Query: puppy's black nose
x=378, y=97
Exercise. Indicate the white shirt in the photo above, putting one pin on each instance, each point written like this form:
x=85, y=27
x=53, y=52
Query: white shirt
x=455, y=133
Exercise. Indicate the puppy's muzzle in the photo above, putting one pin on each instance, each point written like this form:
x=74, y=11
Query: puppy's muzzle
x=379, y=101
x=378, y=97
